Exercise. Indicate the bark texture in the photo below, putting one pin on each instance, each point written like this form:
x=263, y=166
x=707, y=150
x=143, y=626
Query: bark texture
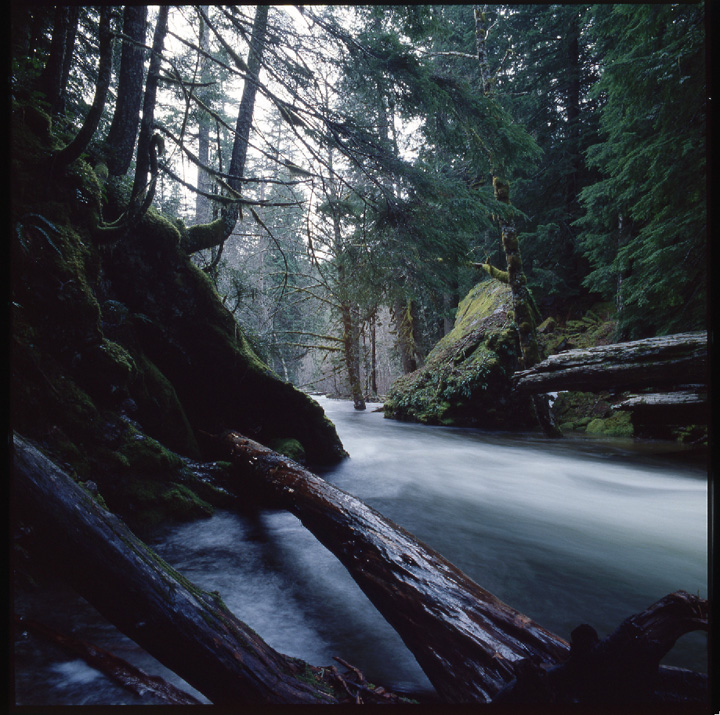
x=464, y=638
x=144, y=149
x=203, y=236
x=187, y=629
x=126, y=119
x=670, y=360
x=472, y=646
x=82, y=139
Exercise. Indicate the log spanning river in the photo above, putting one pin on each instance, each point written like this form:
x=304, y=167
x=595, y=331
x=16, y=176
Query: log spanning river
x=568, y=532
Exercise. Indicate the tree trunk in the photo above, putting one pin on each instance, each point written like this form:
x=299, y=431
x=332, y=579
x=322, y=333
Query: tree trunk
x=144, y=148
x=667, y=361
x=464, y=638
x=523, y=306
x=473, y=647
x=405, y=335
x=126, y=119
x=524, y=309
x=51, y=79
x=78, y=145
x=210, y=235
x=203, y=209
x=187, y=629
x=351, y=353
x=373, y=354
x=70, y=34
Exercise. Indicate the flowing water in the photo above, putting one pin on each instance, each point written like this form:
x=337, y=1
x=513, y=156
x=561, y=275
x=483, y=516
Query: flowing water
x=568, y=532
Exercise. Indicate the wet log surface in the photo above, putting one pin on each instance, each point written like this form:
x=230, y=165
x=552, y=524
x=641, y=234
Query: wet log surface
x=465, y=639
x=118, y=670
x=473, y=647
x=187, y=629
x=670, y=360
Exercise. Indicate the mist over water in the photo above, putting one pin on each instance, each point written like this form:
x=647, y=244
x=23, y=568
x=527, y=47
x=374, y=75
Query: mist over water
x=570, y=531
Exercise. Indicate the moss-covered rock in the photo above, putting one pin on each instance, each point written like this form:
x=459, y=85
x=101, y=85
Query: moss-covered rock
x=466, y=378
x=123, y=355
x=185, y=331
x=618, y=424
x=290, y=448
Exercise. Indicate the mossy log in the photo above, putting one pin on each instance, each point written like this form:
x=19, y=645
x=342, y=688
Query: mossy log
x=670, y=360
x=464, y=638
x=187, y=629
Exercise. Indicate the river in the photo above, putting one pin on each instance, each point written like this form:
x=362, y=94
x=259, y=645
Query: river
x=570, y=531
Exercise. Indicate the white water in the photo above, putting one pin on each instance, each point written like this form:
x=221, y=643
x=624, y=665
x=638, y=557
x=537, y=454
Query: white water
x=569, y=532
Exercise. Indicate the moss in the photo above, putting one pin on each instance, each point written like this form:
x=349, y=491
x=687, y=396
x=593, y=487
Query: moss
x=618, y=424
x=161, y=411
x=156, y=502
x=547, y=326
x=122, y=350
x=465, y=380
x=205, y=235
x=145, y=454
x=289, y=447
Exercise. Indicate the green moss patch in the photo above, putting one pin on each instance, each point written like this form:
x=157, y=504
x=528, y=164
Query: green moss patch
x=290, y=448
x=618, y=424
x=466, y=378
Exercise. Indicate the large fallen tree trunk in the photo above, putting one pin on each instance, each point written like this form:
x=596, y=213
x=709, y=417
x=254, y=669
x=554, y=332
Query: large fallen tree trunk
x=670, y=360
x=185, y=628
x=689, y=406
x=464, y=638
x=469, y=643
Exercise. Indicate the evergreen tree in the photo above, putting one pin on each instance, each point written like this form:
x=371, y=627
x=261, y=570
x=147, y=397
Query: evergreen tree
x=644, y=230
x=551, y=68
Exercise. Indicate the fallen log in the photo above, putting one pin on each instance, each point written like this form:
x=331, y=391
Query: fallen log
x=625, y=666
x=689, y=406
x=116, y=669
x=670, y=360
x=464, y=638
x=187, y=629
x=469, y=643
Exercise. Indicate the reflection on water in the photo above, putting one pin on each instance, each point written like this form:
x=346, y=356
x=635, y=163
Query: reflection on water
x=569, y=532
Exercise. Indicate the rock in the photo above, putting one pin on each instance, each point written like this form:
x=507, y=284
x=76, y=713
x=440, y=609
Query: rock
x=547, y=326
x=466, y=378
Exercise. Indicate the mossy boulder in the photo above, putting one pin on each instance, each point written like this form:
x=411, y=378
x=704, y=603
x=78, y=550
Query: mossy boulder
x=290, y=448
x=618, y=424
x=184, y=330
x=124, y=360
x=466, y=378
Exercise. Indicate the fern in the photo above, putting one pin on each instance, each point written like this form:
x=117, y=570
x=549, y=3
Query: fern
x=39, y=224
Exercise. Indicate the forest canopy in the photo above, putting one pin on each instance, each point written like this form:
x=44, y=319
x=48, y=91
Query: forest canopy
x=334, y=170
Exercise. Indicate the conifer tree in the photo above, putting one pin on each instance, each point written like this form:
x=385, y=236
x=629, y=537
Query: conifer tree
x=644, y=230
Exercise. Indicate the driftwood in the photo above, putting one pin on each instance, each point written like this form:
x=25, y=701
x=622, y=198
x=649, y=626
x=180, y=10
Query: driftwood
x=470, y=644
x=118, y=670
x=187, y=629
x=464, y=638
x=671, y=360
